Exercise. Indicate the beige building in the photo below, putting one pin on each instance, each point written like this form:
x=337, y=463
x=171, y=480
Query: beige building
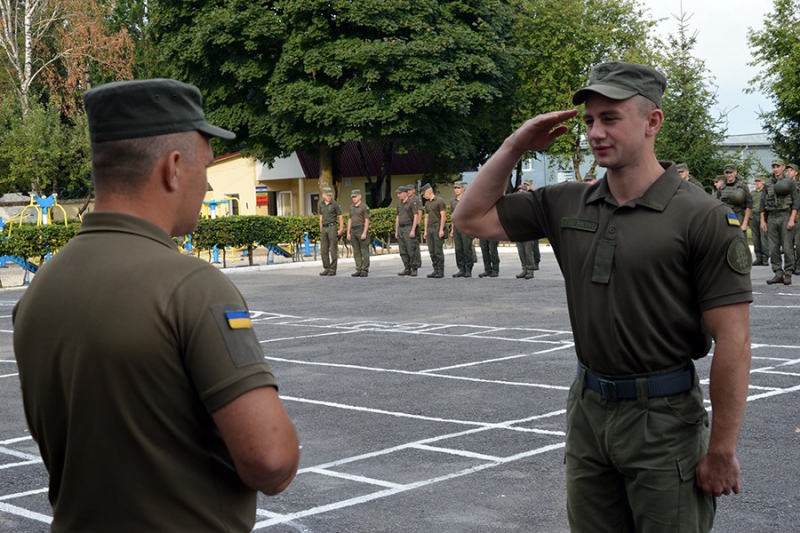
x=245, y=186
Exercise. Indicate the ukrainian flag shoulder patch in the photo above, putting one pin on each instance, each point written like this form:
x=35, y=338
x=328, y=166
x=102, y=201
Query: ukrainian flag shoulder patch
x=238, y=319
x=733, y=220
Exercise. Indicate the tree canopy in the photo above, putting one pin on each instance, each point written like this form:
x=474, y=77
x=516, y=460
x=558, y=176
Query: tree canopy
x=690, y=133
x=776, y=50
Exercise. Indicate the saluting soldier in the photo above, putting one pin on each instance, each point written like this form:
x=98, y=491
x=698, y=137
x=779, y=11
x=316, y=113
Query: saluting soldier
x=465, y=252
x=638, y=455
x=358, y=232
x=760, y=240
x=435, y=229
x=736, y=195
x=331, y=222
x=780, y=203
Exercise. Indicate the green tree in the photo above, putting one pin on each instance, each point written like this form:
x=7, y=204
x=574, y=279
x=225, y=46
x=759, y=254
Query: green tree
x=776, y=50
x=41, y=153
x=557, y=42
x=690, y=134
x=317, y=74
x=228, y=48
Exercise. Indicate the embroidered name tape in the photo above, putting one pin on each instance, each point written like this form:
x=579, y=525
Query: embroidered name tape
x=733, y=220
x=238, y=319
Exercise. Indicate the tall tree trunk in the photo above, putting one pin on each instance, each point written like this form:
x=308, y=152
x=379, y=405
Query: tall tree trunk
x=385, y=187
x=325, y=166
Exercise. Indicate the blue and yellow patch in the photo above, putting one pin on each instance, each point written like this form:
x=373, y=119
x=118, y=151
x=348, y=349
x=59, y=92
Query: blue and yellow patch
x=238, y=319
x=733, y=220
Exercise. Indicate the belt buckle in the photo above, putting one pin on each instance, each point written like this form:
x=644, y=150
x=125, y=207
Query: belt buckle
x=608, y=389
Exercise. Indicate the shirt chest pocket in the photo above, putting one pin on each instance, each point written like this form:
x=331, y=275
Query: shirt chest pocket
x=582, y=244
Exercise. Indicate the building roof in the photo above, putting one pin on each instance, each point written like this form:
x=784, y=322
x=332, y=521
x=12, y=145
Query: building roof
x=748, y=139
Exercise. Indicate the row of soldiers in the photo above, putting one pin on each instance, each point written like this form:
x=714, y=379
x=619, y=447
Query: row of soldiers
x=770, y=212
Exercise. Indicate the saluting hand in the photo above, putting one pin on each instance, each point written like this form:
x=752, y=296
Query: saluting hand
x=539, y=132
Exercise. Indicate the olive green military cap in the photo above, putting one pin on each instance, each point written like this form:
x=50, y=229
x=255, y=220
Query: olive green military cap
x=721, y=177
x=459, y=184
x=682, y=167
x=792, y=165
x=620, y=81
x=327, y=190
x=590, y=176
x=402, y=188
x=730, y=167
x=778, y=162
x=759, y=178
x=425, y=187
x=355, y=192
x=528, y=182
x=145, y=108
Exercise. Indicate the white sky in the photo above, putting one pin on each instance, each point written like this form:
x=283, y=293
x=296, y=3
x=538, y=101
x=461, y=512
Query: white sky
x=722, y=27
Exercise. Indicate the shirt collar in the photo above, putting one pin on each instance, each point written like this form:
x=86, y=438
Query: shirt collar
x=657, y=197
x=111, y=221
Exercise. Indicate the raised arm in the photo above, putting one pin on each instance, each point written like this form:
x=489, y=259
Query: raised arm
x=729, y=325
x=477, y=213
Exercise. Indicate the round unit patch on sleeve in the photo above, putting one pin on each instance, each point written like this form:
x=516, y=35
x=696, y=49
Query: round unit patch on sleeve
x=738, y=255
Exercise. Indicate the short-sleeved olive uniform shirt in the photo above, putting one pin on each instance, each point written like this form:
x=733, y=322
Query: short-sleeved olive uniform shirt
x=433, y=211
x=330, y=212
x=637, y=276
x=358, y=215
x=405, y=213
x=125, y=346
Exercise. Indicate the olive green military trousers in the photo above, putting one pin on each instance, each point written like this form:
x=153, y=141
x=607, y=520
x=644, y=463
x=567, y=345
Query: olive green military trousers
x=329, y=247
x=630, y=464
x=465, y=252
x=408, y=246
x=780, y=239
x=360, y=248
x=526, y=257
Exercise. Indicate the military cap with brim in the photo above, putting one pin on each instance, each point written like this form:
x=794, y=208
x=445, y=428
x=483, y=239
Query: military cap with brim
x=759, y=178
x=620, y=81
x=792, y=165
x=402, y=188
x=778, y=162
x=355, y=192
x=145, y=108
x=682, y=167
x=459, y=184
x=721, y=177
x=327, y=190
x=425, y=187
x=730, y=168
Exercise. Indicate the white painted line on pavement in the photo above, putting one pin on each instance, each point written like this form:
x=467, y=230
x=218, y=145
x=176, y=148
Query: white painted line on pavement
x=353, y=477
x=19, y=511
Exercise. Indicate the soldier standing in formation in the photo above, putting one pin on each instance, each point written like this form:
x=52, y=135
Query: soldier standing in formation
x=760, y=241
x=331, y=222
x=736, y=196
x=416, y=204
x=791, y=173
x=406, y=224
x=525, y=251
x=358, y=232
x=683, y=172
x=435, y=229
x=465, y=253
x=780, y=202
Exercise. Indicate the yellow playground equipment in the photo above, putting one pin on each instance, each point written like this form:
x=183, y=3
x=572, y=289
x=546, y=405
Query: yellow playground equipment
x=43, y=208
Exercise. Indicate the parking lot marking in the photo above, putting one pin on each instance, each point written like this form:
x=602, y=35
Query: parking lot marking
x=353, y=477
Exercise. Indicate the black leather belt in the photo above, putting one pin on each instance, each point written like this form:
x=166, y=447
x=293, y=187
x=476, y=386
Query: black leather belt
x=406, y=225
x=328, y=225
x=668, y=384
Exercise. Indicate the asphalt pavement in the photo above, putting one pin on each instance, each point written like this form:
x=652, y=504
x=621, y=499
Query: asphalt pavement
x=437, y=405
